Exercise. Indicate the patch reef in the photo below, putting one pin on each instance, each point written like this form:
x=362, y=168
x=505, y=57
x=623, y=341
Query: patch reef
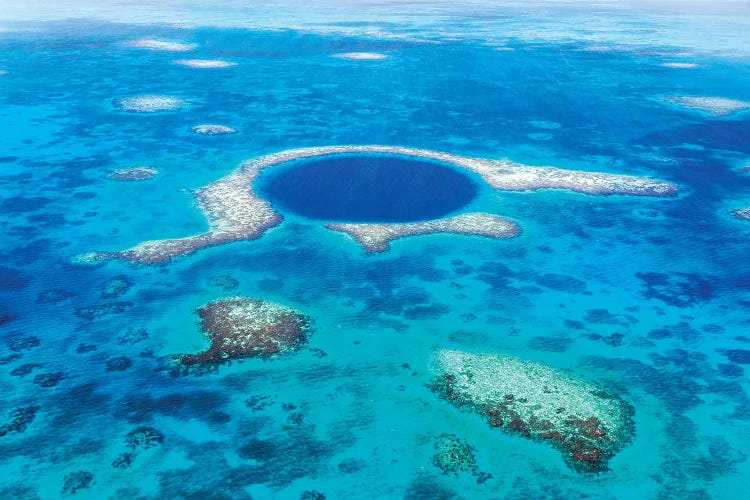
x=588, y=425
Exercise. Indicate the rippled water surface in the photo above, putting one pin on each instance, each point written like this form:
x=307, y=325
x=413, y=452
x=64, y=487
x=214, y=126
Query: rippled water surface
x=644, y=297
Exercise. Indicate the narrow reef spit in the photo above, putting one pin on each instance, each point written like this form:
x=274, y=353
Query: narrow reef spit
x=240, y=327
x=377, y=237
x=588, y=425
x=235, y=212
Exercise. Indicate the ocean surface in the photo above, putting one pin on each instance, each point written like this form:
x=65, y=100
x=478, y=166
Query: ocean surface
x=646, y=297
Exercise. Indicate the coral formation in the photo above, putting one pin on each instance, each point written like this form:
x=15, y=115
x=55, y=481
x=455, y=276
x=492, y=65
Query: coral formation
x=376, y=237
x=240, y=327
x=118, y=364
x=149, y=103
x=225, y=282
x=714, y=106
x=210, y=129
x=25, y=369
x=49, y=379
x=532, y=400
x=123, y=460
x=205, y=63
x=19, y=419
x=742, y=213
x=116, y=287
x=76, y=481
x=454, y=455
x=235, y=212
x=143, y=438
x=132, y=174
x=93, y=312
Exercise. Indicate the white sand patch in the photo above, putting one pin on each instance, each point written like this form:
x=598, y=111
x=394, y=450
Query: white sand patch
x=205, y=63
x=209, y=129
x=361, y=56
x=714, y=106
x=150, y=103
x=679, y=65
x=163, y=45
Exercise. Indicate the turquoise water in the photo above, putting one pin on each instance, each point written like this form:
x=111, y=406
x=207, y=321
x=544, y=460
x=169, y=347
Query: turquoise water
x=646, y=297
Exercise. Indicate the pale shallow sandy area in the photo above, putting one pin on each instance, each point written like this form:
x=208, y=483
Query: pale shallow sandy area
x=205, y=63
x=149, y=103
x=679, y=65
x=163, y=45
x=361, y=56
x=714, y=106
x=212, y=129
x=235, y=212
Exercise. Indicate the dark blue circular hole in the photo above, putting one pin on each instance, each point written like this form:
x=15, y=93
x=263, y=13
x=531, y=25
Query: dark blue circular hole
x=367, y=188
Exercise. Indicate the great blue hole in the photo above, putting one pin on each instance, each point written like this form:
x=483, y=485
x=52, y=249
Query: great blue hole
x=367, y=188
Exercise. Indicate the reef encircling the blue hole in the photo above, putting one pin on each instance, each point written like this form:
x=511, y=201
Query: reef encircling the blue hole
x=237, y=212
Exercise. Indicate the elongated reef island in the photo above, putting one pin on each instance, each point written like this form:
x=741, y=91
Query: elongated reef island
x=236, y=212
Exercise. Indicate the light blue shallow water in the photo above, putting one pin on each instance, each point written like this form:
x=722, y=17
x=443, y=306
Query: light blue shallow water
x=646, y=297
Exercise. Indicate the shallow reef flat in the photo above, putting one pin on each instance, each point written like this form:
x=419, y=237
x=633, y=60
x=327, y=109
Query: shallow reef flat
x=205, y=63
x=162, y=45
x=235, y=212
x=241, y=327
x=588, y=425
x=742, y=213
x=714, y=106
x=377, y=237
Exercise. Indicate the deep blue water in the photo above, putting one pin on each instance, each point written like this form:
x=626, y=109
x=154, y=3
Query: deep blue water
x=647, y=297
x=368, y=188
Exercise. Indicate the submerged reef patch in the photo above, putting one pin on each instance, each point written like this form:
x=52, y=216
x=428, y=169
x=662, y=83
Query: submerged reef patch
x=240, y=327
x=588, y=425
x=132, y=174
x=376, y=237
x=209, y=129
x=742, y=213
x=714, y=106
x=205, y=63
x=453, y=455
x=163, y=45
x=361, y=56
x=235, y=212
x=76, y=481
x=18, y=420
x=149, y=103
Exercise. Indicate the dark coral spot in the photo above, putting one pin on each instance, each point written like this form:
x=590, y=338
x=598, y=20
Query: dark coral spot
x=76, y=481
x=118, y=364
